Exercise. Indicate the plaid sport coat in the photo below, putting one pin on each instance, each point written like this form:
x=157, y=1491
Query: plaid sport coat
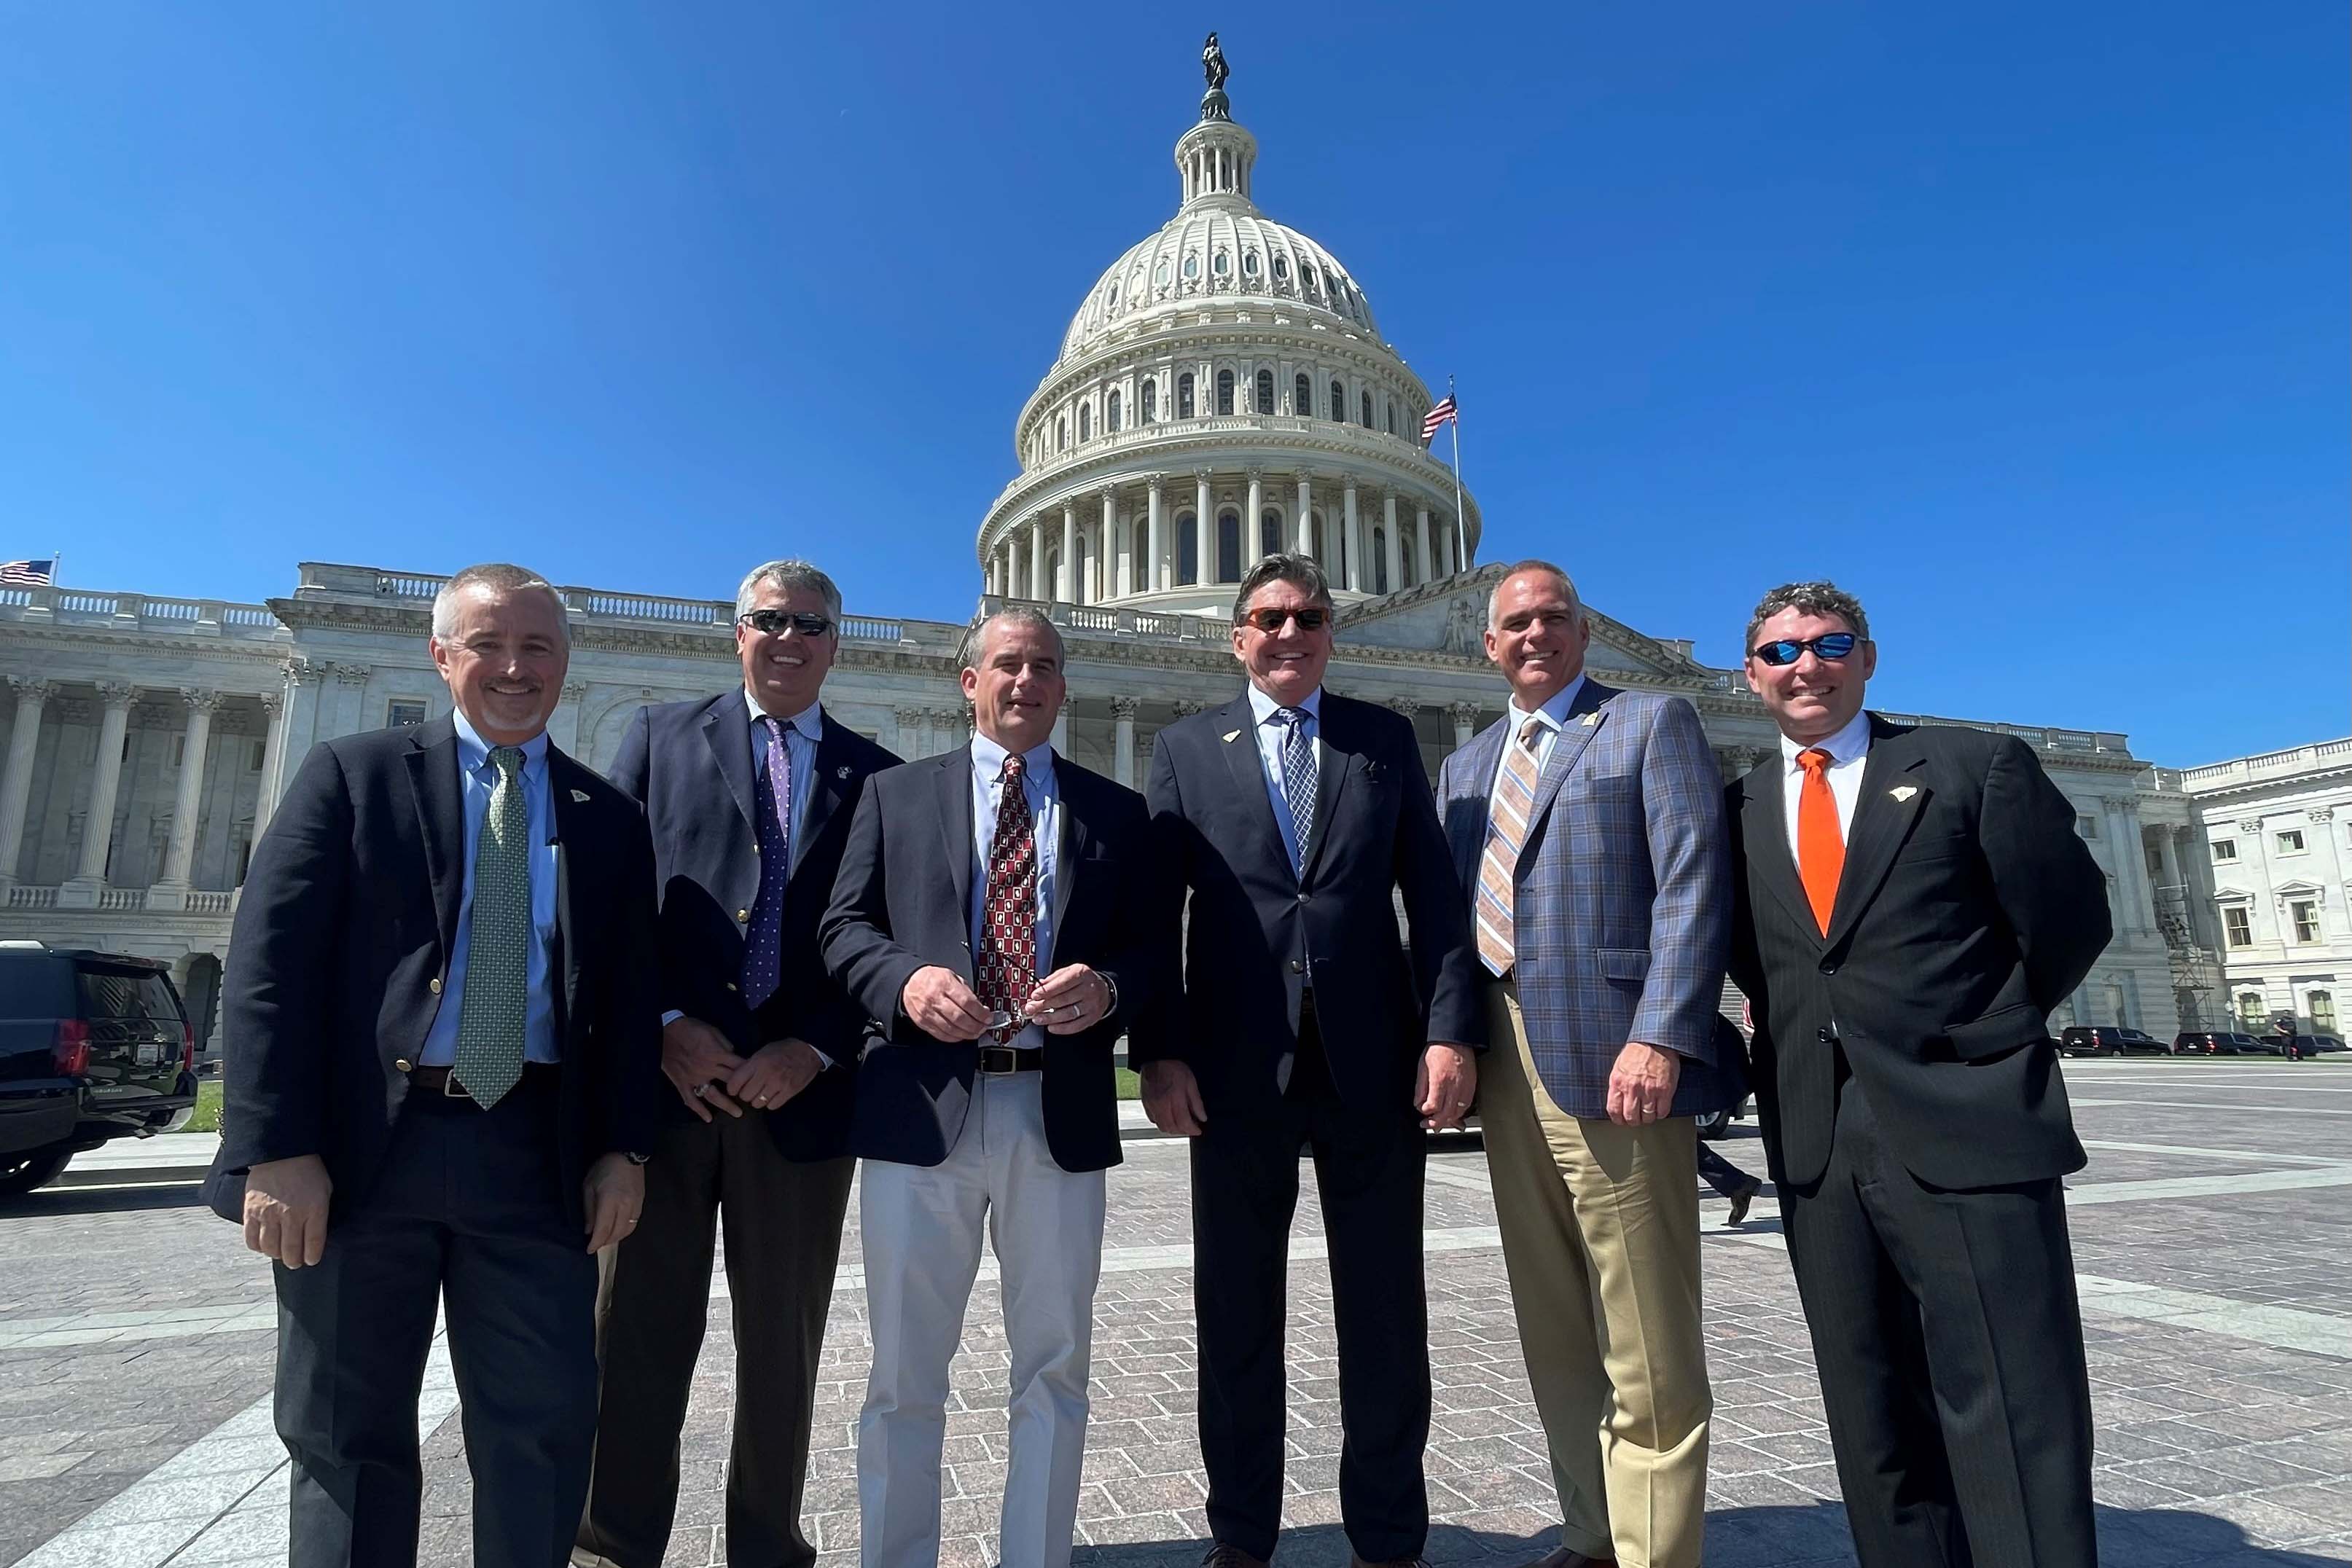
x=1622, y=907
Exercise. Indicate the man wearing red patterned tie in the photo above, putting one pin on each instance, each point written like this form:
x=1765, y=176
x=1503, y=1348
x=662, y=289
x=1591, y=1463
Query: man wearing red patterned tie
x=998, y=911
x=1910, y=903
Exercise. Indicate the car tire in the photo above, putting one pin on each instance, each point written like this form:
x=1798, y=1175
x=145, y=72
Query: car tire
x=20, y=1174
x=1714, y=1124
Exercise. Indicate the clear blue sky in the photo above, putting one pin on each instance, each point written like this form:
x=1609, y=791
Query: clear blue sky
x=2027, y=322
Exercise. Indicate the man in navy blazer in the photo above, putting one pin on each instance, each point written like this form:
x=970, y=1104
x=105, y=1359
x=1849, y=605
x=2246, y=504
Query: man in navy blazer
x=1587, y=826
x=441, y=1055
x=1294, y=817
x=748, y=797
x=1001, y=916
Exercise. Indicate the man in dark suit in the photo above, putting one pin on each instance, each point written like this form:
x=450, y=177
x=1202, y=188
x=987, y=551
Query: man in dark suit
x=1911, y=903
x=999, y=913
x=1293, y=816
x=441, y=1054
x=748, y=797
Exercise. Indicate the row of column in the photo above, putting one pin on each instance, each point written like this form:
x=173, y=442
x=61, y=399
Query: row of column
x=33, y=699
x=1018, y=566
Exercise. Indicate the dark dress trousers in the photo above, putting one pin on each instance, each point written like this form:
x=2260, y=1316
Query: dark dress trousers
x=1310, y=969
x=341, y=938
x=903, y=902
x=1917, y=1128
x=780, y=1176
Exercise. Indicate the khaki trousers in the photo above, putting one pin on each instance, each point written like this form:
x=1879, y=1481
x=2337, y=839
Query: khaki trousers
x=1600, y=1229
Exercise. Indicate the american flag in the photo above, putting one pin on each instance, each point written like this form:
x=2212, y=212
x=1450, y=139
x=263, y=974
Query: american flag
x=1437, y=417
x=32, y=573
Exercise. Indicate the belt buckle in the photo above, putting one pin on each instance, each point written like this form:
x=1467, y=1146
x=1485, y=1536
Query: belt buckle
x=450, y=1088
x=997, y=1060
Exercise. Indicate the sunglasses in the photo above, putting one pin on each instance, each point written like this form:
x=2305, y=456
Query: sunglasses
x=1271, y=620
x=773, y=622
x=1789, y=650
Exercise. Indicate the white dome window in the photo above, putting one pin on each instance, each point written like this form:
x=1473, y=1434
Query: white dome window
x=1159, y=273
x=1249, y=263
x=1309, y=279
x=1220, y=263
x=1282, y=269
x=1192, y=264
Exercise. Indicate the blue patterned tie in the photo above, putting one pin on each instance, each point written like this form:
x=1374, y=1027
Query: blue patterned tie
x=763, y=947
x=1298, y=779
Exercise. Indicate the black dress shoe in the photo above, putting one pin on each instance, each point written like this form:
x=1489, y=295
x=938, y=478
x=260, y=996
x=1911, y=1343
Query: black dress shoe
x=1739, y=1202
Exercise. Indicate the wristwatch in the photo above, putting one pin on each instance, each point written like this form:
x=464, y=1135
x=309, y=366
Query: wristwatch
x=1110, y=988
x=636, y=1158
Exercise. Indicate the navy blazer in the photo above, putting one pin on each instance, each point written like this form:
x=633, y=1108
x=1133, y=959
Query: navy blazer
x=903, y=902
x=344, y=930
x=1258, y=933
x=1968, y=909
x=690, y=765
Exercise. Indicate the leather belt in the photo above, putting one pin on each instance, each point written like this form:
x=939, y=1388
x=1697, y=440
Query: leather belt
x=1000, y=1060
x=436, y=1080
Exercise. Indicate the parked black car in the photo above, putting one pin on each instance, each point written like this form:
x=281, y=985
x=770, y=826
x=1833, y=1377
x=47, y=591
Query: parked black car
x=2317, y=1044
x=93, y=1046
x=2103, y=1039
x=2216, y=1042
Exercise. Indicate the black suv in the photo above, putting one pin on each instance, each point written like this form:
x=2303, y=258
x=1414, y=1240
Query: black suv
x=93, y=1046
x=2101, y=1040
x=2216, y=1042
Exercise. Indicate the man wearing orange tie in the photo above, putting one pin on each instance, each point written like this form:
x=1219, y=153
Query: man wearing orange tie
x=1910, y=903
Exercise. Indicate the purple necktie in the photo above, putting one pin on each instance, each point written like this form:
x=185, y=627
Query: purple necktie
x=763, y=947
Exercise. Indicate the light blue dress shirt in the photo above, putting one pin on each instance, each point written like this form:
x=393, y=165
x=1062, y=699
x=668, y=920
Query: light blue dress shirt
x=476, y=778
x=1554, y=714
x=1269, y=756
x=1038, y=787
x=801, y=732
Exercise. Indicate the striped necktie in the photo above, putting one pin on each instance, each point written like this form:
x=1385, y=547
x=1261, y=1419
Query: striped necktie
x=1507, y=833
x=498, y=942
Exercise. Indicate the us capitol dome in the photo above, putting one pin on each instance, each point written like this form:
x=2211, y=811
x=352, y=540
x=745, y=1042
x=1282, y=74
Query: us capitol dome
x=1223, y=392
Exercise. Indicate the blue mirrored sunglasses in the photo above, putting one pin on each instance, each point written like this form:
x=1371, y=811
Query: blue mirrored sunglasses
x=1789, y=650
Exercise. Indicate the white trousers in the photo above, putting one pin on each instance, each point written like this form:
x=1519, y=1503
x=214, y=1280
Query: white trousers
x=921, y=1227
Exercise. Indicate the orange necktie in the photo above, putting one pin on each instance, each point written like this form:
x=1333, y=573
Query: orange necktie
x=1820, y=846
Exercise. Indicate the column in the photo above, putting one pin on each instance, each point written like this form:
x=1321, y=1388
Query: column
x=180, y=855
x=1039, y=589
x=1110, y=542
x=1204, y=530
x=1122, y=712
x=906, y=740
x=1447, y=562
x=2185, y=903
x=2131, y=865
x=273, y=704
x=1253, y=545
x=106, y=780
x=1421, y=546
x=1353, y=534
x=1307, y=515
x=1393, y=556
x=1065, y=581
x=16, y=784
x=1155, y=557
x=1466, y=723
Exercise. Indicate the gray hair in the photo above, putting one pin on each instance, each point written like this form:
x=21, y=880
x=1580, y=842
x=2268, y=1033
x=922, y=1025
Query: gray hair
x=1301, y=571
x=1494, y=596
x=496, y=576
x=788, y=575
x=1821, y=597
x=975, y=638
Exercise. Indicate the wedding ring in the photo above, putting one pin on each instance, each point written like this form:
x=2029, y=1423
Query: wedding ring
x=700, y=1090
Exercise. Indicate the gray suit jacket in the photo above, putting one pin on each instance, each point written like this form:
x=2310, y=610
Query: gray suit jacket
x=1622, y=898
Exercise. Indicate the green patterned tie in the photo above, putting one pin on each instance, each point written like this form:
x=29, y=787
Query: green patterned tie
x=498, y=956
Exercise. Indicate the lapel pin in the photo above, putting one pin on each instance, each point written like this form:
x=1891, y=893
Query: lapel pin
x=842, y=771
x=1593, y=718
x=581, y=796
x=1902, y=791
x=1232, y=735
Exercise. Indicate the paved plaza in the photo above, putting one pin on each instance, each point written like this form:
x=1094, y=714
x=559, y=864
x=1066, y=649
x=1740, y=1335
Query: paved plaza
x=2212, y=1233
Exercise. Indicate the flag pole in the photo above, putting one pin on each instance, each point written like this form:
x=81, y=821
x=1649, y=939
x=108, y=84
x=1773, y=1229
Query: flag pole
x=1461, y=520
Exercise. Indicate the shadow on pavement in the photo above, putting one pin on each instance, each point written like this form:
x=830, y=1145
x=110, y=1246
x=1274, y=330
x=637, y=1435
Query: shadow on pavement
x=63, y=1201
x=1770, y=1537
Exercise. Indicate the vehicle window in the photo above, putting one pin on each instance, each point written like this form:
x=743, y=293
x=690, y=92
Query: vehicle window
x=35, y=987
x=137, y=996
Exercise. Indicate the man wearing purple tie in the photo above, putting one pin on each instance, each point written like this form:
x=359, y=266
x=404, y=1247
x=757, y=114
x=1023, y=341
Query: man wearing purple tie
x=749, y=795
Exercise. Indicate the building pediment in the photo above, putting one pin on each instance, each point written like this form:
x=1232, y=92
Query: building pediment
x=1448, y=615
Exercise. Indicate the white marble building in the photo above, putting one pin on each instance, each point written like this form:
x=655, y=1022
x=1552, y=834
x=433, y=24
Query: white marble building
x=2274, y=831
x=151, y=734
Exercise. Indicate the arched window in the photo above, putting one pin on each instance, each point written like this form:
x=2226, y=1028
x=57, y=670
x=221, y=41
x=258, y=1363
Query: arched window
x=1184, y=395
x=1338, y=403
x=1265, y=392
x=1085, y=421
x=1392, y=412
x=1302, y=398
x=1249, y=263
x=1188, y=550
x=1366, y=409
x=1061, y=433
x=1150, y=400
x=1281, y=268
x=1192, y=264
x=2321, y=1006
x=1380, y=548
x=1229, y=547
x=1270, y=532
x=1111, y=415
x=1222, y=264
x=1225, y=391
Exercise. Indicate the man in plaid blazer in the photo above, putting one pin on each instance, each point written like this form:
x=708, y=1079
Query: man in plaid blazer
x=1587, y=827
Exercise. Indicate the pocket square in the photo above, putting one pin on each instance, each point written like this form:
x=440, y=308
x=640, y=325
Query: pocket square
x=1902, y=791
x=581, y=796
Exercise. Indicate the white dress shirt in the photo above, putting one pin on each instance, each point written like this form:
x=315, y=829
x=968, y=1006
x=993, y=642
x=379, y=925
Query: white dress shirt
x=1553, y=715
x=801, y=733
x=478, y=776
x=1847, y=749
x=1039, y=786
x=1270, y=733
